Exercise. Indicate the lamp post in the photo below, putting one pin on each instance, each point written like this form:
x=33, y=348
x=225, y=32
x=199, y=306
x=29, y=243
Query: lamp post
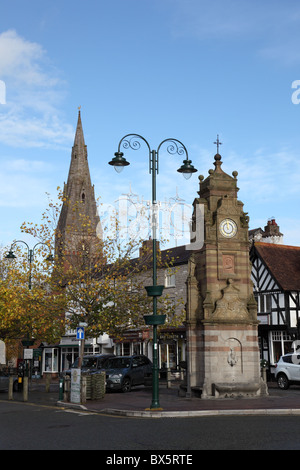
x=11, y=256
x=29, y=341
x=174, y=147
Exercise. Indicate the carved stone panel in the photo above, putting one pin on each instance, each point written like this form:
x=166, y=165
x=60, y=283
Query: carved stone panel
x=228, y=264
x=230, y=306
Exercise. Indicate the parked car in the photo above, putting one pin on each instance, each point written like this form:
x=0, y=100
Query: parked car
x=4, y=381
x=124, y=372
x=287, y=370
x=90, y=363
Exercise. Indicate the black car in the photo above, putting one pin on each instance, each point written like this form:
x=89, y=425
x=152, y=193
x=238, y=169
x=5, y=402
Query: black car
x=92, y=363
x=4, y=381
x=124, y=372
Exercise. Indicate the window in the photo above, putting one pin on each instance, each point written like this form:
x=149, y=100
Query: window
x=287, y=359
x=170, y=278
x=281, y=344
x=268, y=303
x=144, y=361
x=123, y=349
x=51, y=360
x=141, y=361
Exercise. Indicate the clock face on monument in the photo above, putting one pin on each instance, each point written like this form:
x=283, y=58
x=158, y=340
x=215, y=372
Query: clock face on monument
x=228, y=228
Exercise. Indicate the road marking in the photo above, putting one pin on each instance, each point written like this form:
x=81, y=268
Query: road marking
x=76, y=412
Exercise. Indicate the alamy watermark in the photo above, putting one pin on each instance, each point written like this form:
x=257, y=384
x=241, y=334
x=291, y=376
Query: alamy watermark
x=296, y=94
x=2, y=92
x=163, y=220
x=296, y=352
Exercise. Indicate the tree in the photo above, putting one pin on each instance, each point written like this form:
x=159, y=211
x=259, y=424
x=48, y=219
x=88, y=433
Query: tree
x=102, y=279
x=29, y=307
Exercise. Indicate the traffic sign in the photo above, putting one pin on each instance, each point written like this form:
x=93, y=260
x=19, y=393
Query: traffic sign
x=80, y=333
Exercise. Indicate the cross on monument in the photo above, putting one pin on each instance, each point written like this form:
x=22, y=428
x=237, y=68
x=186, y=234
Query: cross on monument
x=218, y=143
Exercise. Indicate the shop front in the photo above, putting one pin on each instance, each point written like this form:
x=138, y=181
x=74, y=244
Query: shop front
x=172, y=351
x=50, y=360
x=133, y=342
x=171, y=348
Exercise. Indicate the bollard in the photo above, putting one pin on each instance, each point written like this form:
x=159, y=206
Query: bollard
x=168, y=378
x=264, y=374
x=61, y=389
x=83, y=388
x=25, y=388
x=10, y=388
x=67, y=388
x=48, y=380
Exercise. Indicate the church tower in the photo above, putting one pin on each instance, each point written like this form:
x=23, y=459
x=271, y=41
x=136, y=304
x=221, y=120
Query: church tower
x=223, y=353
x=78, y=228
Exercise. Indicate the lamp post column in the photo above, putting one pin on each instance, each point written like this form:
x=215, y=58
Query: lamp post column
x=154, y=291
x=155, y=385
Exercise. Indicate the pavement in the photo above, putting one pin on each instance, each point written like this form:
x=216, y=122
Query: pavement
x=137, y=403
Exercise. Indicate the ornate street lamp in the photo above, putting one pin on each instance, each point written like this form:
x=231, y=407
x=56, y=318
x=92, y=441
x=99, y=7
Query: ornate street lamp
x=11, y=256
x=174, y=147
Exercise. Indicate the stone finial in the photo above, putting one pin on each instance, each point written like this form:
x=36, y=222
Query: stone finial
x=218, y=163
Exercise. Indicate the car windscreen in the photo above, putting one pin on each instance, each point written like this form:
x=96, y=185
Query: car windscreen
x=117, y=363
x=75, y=364
x=87, y=362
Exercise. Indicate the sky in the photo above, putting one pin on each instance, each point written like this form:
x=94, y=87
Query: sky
x=183, y=69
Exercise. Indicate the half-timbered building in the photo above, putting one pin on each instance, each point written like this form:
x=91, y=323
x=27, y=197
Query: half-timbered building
x=276, y=280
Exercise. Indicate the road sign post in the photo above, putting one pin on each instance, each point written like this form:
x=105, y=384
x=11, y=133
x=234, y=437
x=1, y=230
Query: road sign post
x=80, y=335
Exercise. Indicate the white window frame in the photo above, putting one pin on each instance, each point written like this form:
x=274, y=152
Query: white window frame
x=54, y=359
x=170, y=278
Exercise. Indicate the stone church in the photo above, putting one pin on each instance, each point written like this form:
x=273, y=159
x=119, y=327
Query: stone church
x=79, y=203
x=78, y=232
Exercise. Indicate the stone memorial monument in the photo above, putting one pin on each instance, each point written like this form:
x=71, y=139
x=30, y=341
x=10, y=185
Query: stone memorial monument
x=223, y=352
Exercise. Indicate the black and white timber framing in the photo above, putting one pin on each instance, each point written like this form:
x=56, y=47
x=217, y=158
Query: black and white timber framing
x=275, y=275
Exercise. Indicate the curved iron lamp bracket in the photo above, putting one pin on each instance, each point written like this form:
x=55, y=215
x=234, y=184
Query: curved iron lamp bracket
x=132, y=141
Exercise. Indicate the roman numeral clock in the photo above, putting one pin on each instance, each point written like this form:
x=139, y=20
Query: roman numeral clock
x=228, y=228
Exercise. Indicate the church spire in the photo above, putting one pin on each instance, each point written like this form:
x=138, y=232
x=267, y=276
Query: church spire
x=79, y=137
x=79, y=199
x=79, y=168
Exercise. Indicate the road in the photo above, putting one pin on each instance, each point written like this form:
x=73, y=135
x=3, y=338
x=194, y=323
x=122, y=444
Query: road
x=25, y=426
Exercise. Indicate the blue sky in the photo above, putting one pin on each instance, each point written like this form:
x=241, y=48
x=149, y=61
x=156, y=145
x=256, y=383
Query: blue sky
x=184, y=69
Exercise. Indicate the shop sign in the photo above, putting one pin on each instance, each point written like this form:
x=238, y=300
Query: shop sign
x=28, y=353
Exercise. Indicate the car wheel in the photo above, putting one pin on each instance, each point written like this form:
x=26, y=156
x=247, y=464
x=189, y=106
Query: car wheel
x=283, y=382
x=126, y=386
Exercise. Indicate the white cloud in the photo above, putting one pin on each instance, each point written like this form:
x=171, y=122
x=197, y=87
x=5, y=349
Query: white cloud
x=22, y=60
x=265, y=175
x=34, y=93
x=25, y=166
x=23, y=182
x=45, y=131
